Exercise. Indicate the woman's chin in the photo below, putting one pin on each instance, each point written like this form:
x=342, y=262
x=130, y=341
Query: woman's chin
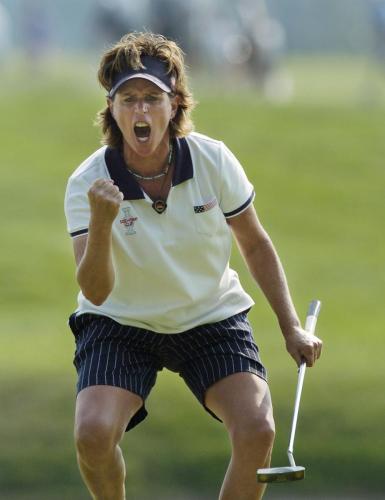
x=143, y=146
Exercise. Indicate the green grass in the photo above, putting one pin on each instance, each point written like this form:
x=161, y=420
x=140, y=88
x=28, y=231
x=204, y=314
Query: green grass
x=319, y=177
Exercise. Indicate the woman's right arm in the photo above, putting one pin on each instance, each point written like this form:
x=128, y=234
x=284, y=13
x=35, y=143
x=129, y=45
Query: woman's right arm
x=95, y=271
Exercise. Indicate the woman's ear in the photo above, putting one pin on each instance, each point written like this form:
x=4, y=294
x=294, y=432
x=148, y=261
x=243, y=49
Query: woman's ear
x=175, y=100
x=110, y=105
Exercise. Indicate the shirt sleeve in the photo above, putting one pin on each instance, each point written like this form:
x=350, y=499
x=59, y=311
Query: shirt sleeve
x=76, y=206
x=237, y=192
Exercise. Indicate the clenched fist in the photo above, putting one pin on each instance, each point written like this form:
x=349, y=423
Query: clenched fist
x=105, y=199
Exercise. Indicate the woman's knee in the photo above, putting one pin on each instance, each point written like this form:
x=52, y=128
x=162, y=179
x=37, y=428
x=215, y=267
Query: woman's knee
x=101, y=417
x=96, y=439
x=254, y=433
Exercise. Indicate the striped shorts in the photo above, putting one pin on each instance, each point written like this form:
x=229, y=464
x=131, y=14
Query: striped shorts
x=108, y=353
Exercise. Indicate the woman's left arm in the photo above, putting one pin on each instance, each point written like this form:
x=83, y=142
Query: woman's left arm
x=265, y=266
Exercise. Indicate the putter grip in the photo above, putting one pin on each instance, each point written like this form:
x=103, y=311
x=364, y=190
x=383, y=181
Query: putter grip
x=312, y=316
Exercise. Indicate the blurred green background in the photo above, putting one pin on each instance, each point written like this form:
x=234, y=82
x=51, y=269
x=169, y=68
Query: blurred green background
x=310, y=135
x=318, y=171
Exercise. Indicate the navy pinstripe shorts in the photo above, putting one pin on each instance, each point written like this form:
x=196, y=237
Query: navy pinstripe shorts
x=108, y=353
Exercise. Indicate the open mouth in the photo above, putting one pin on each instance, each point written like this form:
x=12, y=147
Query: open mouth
x=142, y=131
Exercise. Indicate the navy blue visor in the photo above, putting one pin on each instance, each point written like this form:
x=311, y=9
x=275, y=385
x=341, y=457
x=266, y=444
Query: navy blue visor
x=155, y=70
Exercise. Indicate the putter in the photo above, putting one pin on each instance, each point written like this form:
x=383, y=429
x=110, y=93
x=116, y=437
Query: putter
x=293, y=472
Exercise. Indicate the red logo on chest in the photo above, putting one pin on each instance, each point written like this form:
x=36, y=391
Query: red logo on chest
x=128, y=221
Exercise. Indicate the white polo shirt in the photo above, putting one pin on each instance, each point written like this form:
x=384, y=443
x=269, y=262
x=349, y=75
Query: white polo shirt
x=171, y=269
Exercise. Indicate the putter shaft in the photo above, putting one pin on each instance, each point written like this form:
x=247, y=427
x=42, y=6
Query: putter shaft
x=293, y=472
x=310, y=324
x=301, y=376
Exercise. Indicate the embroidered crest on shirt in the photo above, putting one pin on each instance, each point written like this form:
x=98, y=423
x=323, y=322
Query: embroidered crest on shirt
x=198, y=209
x=128, y=221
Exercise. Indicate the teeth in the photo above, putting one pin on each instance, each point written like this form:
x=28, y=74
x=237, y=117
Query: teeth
x=142, y=131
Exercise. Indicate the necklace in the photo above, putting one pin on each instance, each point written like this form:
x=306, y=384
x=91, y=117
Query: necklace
x=159, y=204
x=157, y=176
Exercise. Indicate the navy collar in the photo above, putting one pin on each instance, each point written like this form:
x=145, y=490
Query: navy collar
x=128, y=184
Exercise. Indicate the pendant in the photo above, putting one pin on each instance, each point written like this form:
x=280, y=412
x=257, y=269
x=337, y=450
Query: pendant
x=159, y=206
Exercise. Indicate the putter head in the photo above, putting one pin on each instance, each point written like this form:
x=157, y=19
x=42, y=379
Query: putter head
x=280, y=474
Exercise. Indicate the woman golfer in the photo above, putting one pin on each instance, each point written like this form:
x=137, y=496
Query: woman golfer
x=152, y=214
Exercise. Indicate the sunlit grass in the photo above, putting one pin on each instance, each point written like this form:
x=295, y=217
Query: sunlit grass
x=318, y=175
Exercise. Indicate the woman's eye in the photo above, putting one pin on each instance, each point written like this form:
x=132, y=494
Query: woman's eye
x=151, y=98
x=129, y=99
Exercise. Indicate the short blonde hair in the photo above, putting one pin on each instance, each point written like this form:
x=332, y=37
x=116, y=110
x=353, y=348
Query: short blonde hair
x=126, y=53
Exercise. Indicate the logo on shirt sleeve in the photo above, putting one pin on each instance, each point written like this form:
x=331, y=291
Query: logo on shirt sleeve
x=198, y=209
x=128, y=221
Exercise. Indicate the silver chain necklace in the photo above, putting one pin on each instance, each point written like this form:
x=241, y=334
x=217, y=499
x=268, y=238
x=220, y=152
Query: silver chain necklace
x=157, y=176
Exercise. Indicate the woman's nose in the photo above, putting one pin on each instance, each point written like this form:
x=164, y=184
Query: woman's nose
x=142, y=106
